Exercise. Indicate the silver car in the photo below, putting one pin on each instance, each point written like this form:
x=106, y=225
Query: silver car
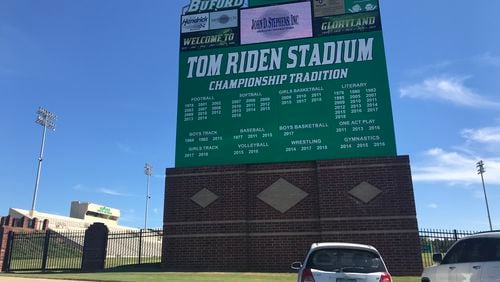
x=342, y=262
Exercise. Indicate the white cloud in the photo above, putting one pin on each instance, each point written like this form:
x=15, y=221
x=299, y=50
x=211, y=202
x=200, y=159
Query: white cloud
x=431, y=68
x=488, y=59
x=482, y=135
x=432, y=206
x=111, y=192
x=479, y=195
x=79, y=187
x=455, y=168
x=452, y=89
x=125, y=148
x=160, y=176
x=103, y=190
x=130, y=218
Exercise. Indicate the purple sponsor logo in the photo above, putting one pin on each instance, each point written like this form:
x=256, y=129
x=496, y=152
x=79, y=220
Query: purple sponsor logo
x=275, y=22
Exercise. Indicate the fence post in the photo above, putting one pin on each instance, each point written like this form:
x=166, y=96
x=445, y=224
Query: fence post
x=8, y=252
x=455, y=235
x=45, y=250
x=140, y=245
x=94, y=247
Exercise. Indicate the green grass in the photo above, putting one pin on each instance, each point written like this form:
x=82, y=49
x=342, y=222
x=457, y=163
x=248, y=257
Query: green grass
x=178, y=276
x=75, y=262
x=115, y=262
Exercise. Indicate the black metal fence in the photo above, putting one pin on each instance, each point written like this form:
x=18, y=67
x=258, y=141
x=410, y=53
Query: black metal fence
x=435, y=241
x=50, y=250
x=134, y=247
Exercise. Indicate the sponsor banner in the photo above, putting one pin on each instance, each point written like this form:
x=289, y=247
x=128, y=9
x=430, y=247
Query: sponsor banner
x=255, y=3
x=194, y=23
x=210, y=39
x=224, y=19
x=328, y=7
x=356, y=6
x=349, y=23
x=275, y=23
x=203, y=6
x=338, y=7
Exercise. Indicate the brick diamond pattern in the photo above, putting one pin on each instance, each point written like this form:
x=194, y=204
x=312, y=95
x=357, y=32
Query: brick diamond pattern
x=204, y=198
x=365, y=192
x=282, y=195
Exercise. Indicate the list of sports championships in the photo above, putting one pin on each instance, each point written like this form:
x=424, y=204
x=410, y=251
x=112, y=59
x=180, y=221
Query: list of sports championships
x=290, y=82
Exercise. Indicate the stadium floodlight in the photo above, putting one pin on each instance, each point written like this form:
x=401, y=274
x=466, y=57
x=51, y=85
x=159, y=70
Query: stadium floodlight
x=481, y=171
x=47, y=120
x=148, y=170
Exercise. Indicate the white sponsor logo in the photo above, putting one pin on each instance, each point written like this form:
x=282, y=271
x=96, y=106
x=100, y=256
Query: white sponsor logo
x=370, y=7
x=192, y=23
x=196, y=6
x=224, y=19
x=358, y=8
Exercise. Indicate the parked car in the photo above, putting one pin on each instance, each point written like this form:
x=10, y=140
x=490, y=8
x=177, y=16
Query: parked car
x=342, y=262
x=474, y=258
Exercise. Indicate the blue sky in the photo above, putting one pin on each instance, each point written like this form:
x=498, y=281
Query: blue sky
x=108, y=69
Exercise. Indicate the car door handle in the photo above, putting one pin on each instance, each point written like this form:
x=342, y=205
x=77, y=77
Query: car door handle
x=452, y=267
x=476, y=267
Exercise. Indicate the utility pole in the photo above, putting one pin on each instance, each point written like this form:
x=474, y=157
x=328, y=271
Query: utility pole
x=47, y=120
x=481, y=171
x=148, y=170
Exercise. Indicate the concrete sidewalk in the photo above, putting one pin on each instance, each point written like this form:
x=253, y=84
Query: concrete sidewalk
x=20, y=279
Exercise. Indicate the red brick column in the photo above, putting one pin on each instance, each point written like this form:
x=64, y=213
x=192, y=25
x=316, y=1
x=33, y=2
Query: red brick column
x=263, y=217
x=4, y=234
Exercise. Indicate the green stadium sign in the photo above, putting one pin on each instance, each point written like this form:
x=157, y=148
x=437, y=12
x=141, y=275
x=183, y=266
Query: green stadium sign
x=104, y=210
x=291, y=82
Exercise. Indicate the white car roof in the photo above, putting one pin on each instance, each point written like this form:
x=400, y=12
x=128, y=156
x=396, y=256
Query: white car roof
x=489, y=234
x=344, y=246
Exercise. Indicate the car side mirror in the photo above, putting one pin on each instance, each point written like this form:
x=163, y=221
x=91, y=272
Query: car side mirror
x=296, y=265
x=438, y=258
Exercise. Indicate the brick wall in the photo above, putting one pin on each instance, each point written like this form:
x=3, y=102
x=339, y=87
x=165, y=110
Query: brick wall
x=239, y=231
x=3, y=243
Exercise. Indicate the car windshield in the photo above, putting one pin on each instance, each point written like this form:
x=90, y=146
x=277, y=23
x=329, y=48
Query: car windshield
x=345, y=260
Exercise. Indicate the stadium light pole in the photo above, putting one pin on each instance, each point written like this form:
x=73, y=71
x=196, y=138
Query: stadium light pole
x=47, y=120
x=148, y=170
x=481, y=171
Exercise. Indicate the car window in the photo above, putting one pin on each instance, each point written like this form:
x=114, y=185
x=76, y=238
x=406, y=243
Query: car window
x=454, y=253
x=473, y=250
x=480, y=250
x=495, y=249
x=335, y=259
x=489, y=249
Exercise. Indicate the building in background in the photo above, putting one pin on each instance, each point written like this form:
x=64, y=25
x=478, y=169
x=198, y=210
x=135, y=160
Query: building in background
x=82, y=215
